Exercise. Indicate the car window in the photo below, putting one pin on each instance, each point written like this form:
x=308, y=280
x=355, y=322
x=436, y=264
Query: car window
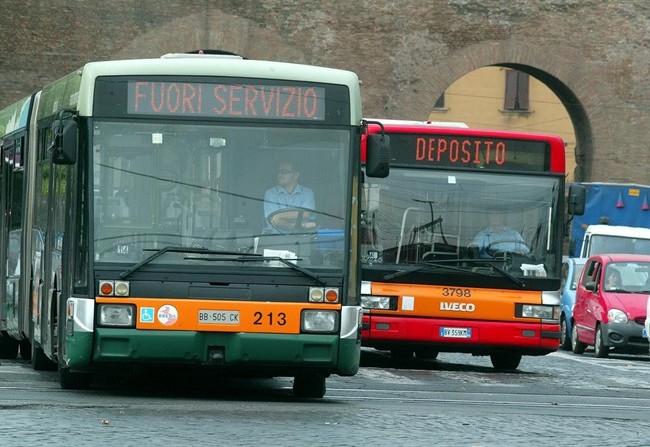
x=577, y=269
x=590, y=272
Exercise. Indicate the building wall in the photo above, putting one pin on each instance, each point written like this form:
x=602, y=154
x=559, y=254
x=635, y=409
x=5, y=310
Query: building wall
x=592, y=54
x=477, y=99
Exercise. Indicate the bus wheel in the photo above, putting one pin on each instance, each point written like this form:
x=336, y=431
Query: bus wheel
x=401, y=353
x=600, y=349
x=577, y=346
x=426, y=353
x=565, y=337
x=40, y=362
x=8, y=347
x=505, y=360
x=309, y=385
x=74, y=380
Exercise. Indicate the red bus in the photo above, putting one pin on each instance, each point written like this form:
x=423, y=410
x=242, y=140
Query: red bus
x=462, y=242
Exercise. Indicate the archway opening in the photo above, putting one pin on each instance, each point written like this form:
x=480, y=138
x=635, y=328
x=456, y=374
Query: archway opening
x=520, y=98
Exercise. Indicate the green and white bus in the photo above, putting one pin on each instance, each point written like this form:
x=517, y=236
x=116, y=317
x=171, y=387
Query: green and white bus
x=144, y=240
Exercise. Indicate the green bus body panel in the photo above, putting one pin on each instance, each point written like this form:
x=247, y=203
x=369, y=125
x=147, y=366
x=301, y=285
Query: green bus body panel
x=15, y=116
x=240, y=349
x=349, y=356
x=78, y=349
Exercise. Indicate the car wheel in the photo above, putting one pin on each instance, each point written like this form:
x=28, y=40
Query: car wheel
x=577, y=346
x=600, y=349
x=565, y=337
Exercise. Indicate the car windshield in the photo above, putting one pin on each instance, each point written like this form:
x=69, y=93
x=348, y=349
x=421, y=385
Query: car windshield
x=631, y=277
x=424, y=216
x=206, y=187
x=604, y=243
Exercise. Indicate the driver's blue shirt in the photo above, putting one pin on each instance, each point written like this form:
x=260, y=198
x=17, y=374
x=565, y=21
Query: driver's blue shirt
x=278, y=198
x=512, y=241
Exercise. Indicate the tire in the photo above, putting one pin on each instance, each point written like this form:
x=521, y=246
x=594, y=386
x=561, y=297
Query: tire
x=40, y=362
x=505, y=361
x=426, y=353
x=8, y=347
x=401, y=353
x=74, y=380
x=577, y=346
x=309, y=386
x=25, y=349
x=600, y=349
x=565, y=336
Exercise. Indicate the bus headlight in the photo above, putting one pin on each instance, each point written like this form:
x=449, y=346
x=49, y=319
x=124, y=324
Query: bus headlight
x=379, y=302
x=616, y=316
x=541, y=311
x=319, y=321
x=116, y=315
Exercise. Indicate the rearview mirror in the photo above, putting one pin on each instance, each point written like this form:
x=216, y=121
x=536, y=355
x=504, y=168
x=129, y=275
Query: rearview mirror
x=377, y=155
x=576, y=200
x=64, y=141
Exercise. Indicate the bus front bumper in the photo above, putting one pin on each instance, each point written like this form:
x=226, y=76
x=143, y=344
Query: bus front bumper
x=460, y=336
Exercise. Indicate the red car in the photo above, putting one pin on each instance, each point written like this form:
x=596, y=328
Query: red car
x=610, y=307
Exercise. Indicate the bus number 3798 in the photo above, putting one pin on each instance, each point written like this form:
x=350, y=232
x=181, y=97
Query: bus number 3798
x=453, y=291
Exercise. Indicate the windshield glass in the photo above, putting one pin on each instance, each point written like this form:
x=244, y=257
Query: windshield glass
x=628, y=276
x=272, y=191
x=419, y=216
x=601, y=243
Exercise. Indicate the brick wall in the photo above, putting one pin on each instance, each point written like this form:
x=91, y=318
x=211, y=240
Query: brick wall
x=593, y=54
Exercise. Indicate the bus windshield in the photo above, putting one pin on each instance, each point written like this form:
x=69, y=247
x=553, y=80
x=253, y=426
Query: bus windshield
x=427, y=216
x=272, y=191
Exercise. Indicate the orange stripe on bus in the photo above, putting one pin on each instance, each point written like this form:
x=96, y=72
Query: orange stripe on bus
x=251, y=316
x=454, y=302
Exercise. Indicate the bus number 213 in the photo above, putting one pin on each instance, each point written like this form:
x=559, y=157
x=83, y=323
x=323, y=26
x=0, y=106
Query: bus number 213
x=271, y=318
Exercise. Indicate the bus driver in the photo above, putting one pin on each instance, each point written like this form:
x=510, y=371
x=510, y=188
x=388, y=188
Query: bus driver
x=497, y=237
x=288, y=193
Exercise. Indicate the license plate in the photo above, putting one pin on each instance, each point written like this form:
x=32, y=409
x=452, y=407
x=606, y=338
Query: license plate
x=218, y=317
x=455, y=332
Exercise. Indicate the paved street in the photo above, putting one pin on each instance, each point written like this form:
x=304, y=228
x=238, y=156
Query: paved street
x=456, y=400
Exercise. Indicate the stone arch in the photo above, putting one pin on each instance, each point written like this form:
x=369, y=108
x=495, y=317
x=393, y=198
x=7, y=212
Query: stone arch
x=556, y=72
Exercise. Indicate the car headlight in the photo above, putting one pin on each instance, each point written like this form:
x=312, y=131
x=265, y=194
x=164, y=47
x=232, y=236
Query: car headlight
x=616, y=316
x=379, y=302
x=541, y=311
x=117, y=315
x=319, y=321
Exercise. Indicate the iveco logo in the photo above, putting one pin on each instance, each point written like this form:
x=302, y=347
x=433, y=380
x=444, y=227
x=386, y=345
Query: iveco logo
x=458, y=307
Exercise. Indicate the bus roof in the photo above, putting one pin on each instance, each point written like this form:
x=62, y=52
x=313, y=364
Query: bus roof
x=458, y=128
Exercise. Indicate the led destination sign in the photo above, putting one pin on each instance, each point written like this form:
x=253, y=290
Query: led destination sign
x=468, y=151
x=221, y=100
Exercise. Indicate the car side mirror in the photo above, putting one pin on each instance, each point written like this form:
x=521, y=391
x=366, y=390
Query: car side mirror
x=591, y=285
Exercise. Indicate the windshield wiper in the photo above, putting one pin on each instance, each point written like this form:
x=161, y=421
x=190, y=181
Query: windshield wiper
x=425, y=265
x=249, y=257
x=508, y=275
x=442, y=264
x=177, y=249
